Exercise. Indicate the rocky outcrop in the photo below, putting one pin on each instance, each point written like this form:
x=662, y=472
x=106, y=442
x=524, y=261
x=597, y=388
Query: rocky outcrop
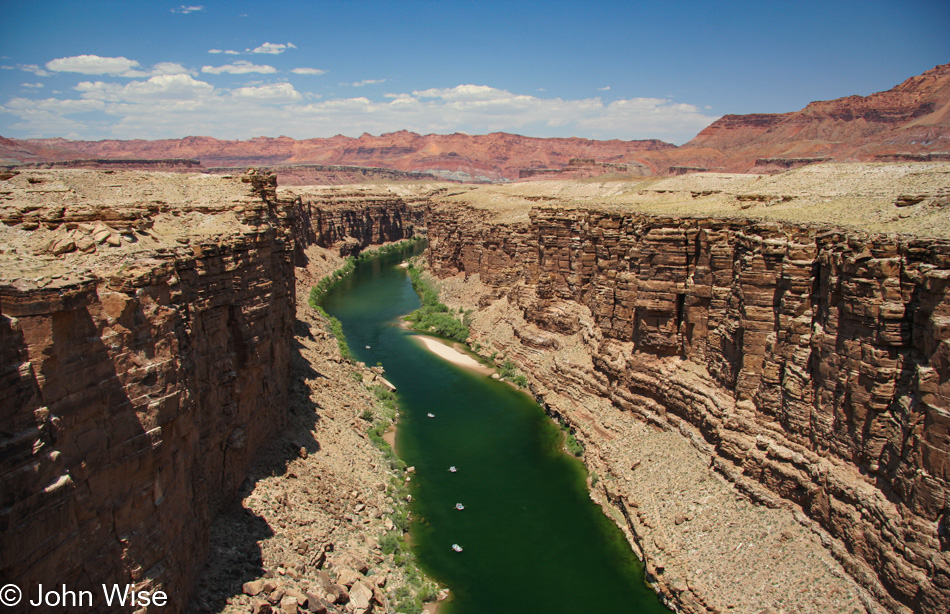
x=824, y=360
x=578, y=168
x=138, y=402
x=323, y=174
x=909, y=121
x=143, y=372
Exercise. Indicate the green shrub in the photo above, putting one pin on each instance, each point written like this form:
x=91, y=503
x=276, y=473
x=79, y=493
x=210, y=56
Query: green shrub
x=429, y=592
x=573, y=446
x=323, y=286
x=337, y=329
x=434, y=317
x=390, y=543
x=507, y=370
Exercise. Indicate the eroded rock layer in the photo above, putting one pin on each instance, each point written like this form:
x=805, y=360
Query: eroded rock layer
x=824, y=360
x=146, y=330
x=358, y=218
x=138, y=403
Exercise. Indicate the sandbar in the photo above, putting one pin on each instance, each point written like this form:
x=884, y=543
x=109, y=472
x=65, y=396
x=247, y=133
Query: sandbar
x=444, y=350
x=389, y=436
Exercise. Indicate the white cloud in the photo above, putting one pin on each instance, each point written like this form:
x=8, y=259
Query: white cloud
x=169, y=68
x=33, y=85
x=606, y=88
x=239, y=67
x=364, y=82
x=470, y=93
x=92, y=65
x=308, y=71
x=174, y=105
x=119, y=67
x=225, y=51
x=161, y=87
x=33, y=68
x=188, y=9
x=272, y=48
x=277, y=92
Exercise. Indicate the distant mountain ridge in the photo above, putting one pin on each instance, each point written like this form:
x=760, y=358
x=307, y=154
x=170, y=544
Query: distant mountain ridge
x=489, y=157
x=912, y=118
x=910, y=121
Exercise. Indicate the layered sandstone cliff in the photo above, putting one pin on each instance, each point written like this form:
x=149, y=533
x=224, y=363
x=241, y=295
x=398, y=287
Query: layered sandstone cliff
x=146, y=327
x=810, y=365
x=139, y=382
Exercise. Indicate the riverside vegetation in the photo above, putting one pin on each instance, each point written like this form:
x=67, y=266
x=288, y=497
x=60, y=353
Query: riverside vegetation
x=434, y=316
x=416, y=589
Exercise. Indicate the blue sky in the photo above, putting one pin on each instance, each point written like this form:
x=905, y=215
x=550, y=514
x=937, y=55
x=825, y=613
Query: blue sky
x=666, y=69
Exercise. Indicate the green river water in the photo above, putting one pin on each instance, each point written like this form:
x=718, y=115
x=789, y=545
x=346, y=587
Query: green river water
x=533, y=540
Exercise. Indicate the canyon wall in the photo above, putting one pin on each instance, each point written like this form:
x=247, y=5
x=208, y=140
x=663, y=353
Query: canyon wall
x=140, y=379
x=828, y=355
x=138, y=403
x=351, y=219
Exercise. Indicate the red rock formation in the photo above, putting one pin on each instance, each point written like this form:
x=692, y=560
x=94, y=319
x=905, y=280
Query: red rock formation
x=350, y=219
x=457, y=156
x=831, y=352
x=138, y=402
x=913, y=118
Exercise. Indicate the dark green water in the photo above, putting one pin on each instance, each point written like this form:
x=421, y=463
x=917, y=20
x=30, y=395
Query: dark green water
x=533, y=540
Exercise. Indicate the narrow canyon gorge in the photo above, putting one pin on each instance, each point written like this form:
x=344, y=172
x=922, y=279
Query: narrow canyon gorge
x=758, y=368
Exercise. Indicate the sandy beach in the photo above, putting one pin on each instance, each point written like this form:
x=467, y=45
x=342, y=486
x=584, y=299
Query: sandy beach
x=444, y=350
x=390, y=436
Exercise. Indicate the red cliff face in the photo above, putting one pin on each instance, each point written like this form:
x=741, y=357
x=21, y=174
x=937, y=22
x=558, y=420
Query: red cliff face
x=910, y=119
x=830, y=352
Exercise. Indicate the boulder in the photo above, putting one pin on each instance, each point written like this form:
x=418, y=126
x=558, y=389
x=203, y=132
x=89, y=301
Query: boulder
x=360, y=596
